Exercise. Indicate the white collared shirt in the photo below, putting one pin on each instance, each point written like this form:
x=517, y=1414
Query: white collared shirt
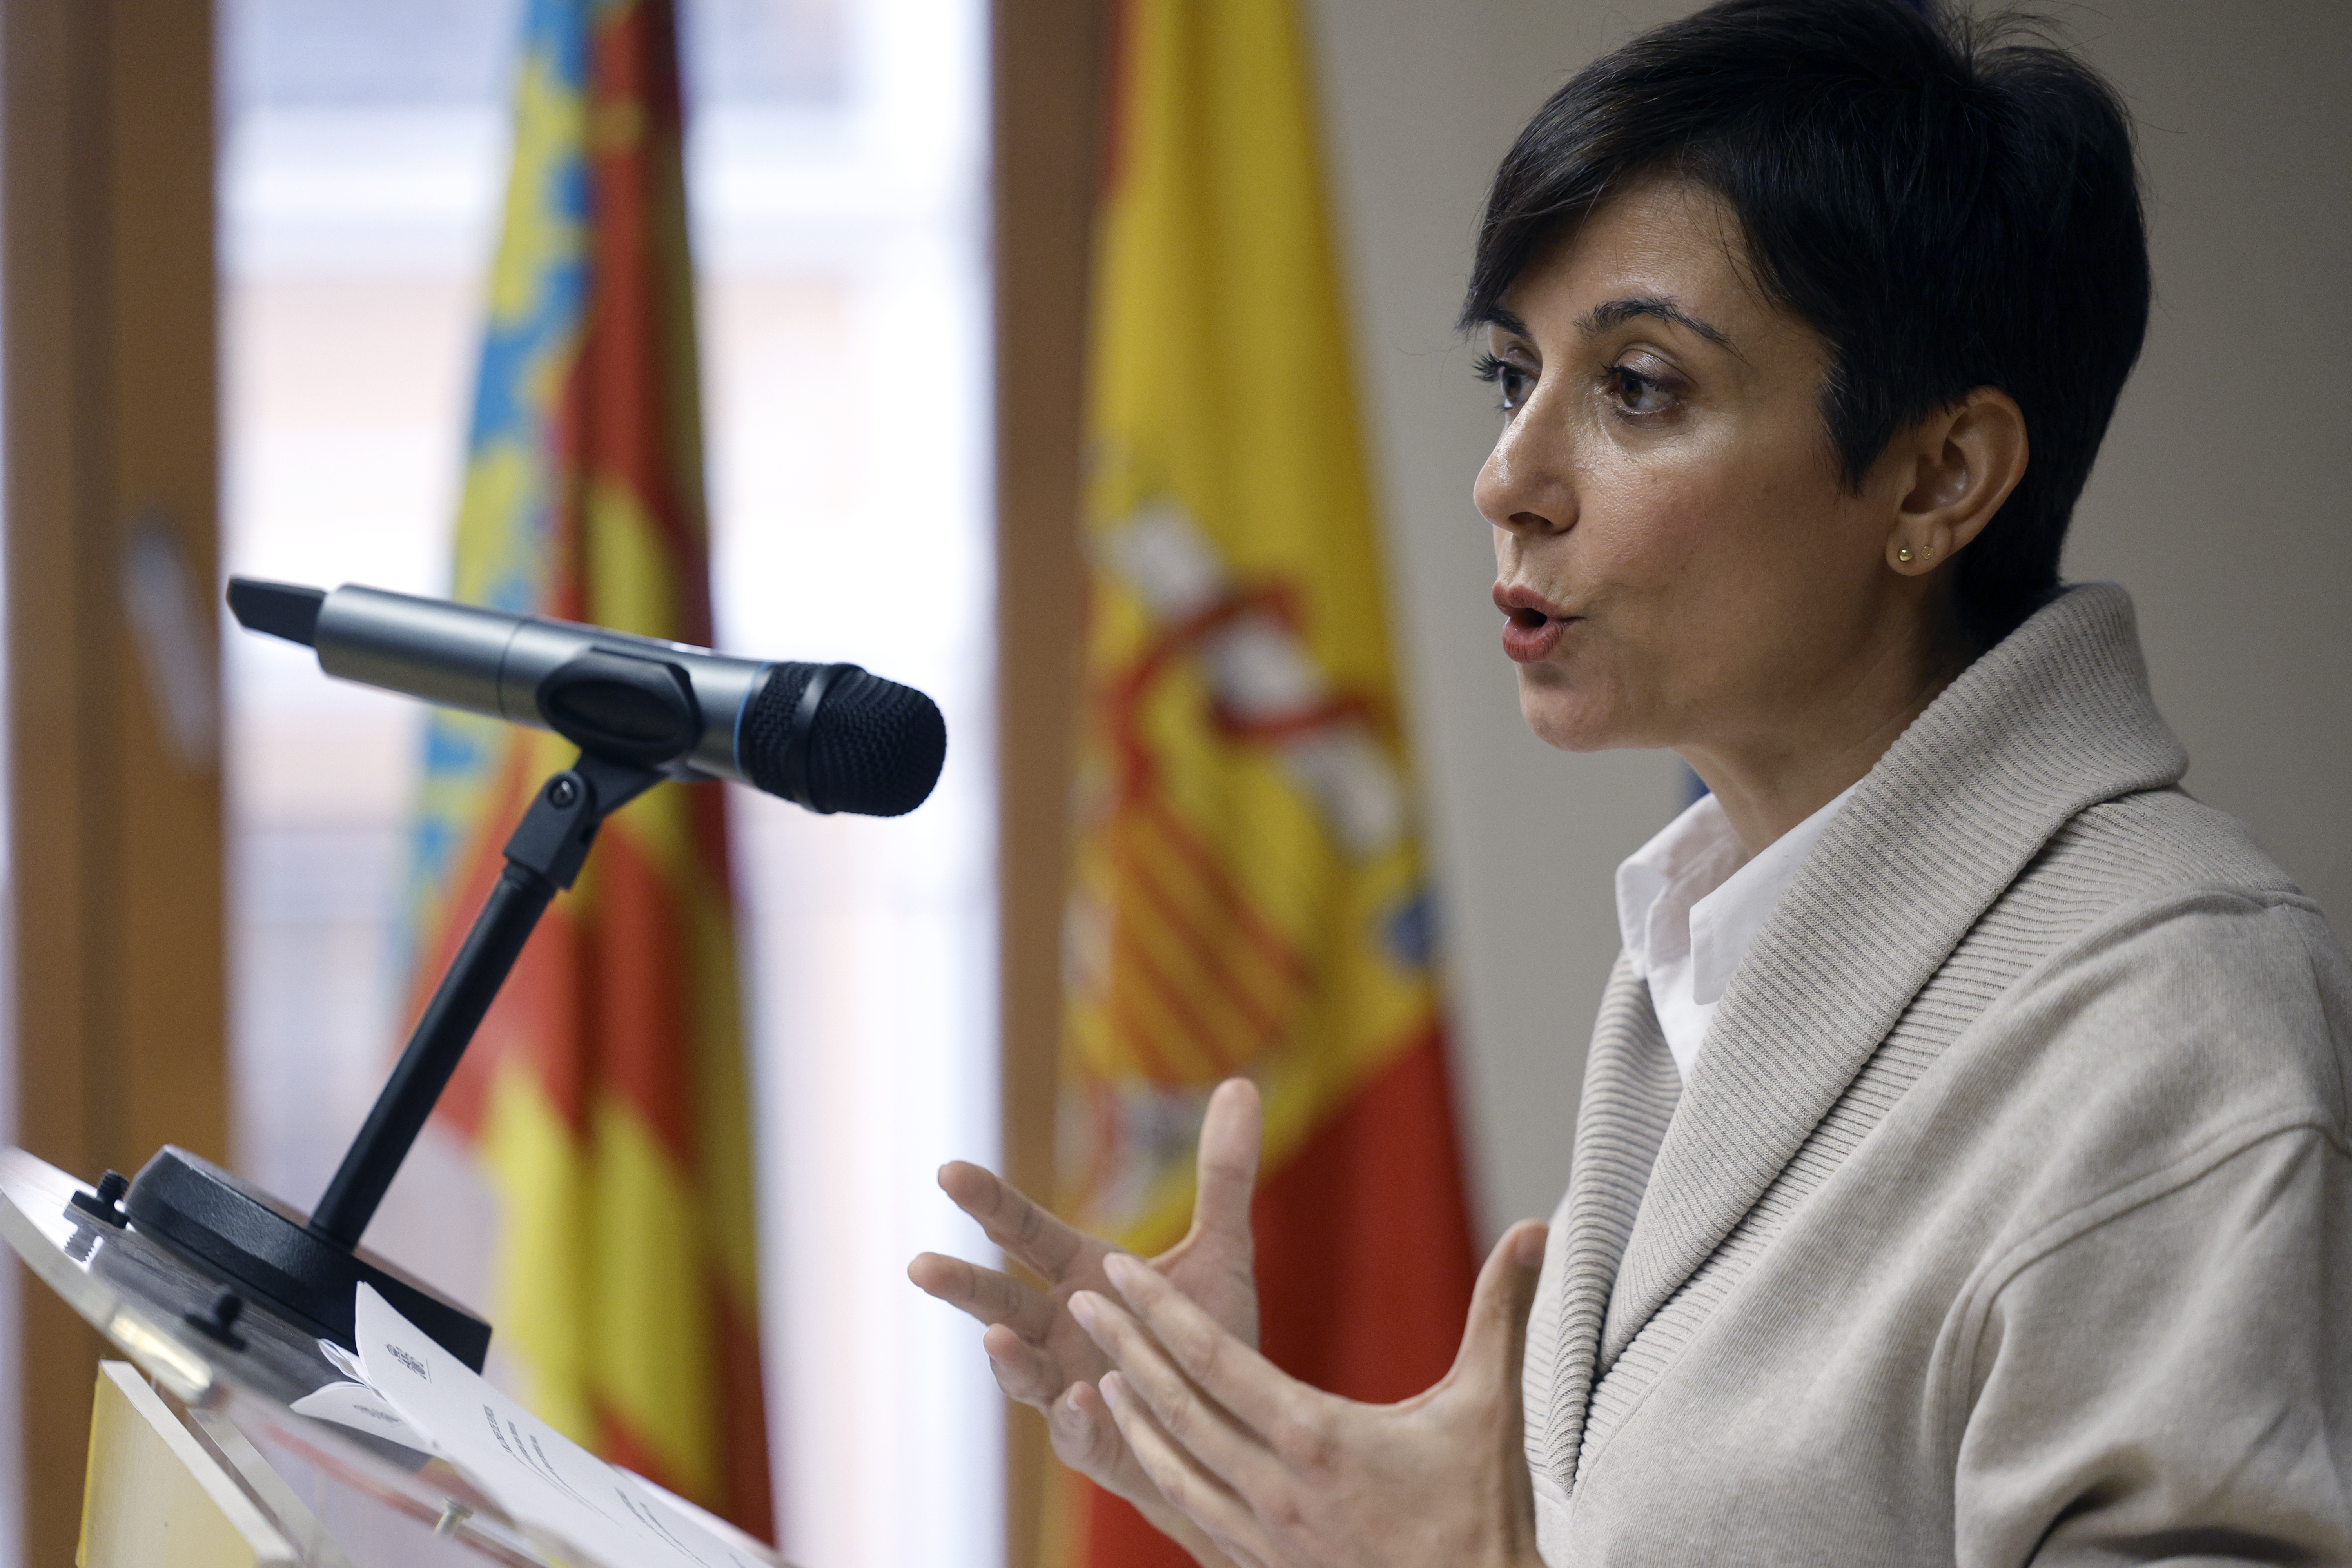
x=1688, y=909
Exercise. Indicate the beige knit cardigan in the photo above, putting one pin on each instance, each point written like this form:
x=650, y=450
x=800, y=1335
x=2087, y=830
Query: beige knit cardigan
x=2007, y=1217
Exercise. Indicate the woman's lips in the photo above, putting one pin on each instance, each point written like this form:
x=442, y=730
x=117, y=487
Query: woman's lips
x=1532, y=627
x=1530, y=634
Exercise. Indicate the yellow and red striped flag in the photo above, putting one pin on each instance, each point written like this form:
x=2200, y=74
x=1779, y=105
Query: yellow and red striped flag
x=1248, y=893
x=604, y=1095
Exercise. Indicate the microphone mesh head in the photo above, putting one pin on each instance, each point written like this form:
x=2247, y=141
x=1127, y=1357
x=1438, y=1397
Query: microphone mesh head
x=876, y=748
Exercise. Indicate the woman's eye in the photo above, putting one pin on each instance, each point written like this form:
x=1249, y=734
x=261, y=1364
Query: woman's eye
x=1638, y=394
x=1513, y=382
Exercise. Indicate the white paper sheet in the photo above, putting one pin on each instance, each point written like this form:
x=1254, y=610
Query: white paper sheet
x=362, y=1409
x=341, y=1360
x=541, y=1477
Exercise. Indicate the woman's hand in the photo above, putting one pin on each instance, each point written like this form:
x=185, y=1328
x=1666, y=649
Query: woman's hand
x=1039, y=1354
x=1276, y=1473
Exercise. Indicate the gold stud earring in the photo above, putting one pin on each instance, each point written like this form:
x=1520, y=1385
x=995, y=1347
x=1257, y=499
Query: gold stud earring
x=1931, y=554
x=1903, y=555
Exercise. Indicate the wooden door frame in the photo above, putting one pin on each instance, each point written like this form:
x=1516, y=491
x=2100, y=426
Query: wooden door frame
x=1048, y=66
x=108, y=309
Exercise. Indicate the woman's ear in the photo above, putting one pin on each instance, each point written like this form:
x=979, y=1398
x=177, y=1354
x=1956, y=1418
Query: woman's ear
x=1965, y=459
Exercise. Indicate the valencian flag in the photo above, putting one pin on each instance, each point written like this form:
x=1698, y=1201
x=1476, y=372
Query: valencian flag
x=1248, y=895
x=604, y=1094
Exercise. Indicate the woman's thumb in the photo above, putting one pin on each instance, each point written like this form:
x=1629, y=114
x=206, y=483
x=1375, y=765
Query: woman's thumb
x=1496, y=1337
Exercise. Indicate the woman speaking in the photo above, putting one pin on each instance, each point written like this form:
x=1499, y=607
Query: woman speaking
x=1964, y=1170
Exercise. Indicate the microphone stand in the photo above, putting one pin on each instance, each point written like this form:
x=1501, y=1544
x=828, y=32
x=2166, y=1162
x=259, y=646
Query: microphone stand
x=308, y=1267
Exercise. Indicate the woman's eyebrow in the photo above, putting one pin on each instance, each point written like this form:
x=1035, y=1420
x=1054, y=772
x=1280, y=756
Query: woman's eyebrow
x=1617, y=312
x=1507, y=320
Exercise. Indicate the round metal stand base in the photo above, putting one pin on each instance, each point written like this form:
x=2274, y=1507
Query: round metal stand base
x=249, y=1239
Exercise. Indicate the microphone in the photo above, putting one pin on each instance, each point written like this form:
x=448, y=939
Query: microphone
x=829, y=737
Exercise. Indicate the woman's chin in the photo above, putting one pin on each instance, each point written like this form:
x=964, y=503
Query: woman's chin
x=1565, y=720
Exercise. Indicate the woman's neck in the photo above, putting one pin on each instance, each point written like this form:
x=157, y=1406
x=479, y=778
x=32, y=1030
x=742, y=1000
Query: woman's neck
x=1805, y=760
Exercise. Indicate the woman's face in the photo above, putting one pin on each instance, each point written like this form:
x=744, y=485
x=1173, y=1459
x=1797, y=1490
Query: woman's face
x=1676, y=557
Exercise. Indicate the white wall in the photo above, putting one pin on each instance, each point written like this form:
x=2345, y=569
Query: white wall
x=2220, y=499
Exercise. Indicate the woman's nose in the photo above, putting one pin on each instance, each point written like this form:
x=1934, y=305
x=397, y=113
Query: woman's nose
x=1520, y=487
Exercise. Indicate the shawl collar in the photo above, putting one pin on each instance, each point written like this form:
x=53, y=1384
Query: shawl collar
x=1631, y=1084
x=2056, y=718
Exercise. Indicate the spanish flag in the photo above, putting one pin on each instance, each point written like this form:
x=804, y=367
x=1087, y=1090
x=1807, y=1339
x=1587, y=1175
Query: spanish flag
x=604, y=1094
x=1248, y=893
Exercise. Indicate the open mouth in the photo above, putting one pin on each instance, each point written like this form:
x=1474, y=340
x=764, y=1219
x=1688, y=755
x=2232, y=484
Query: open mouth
x=1532, y=627
x=1530, y=635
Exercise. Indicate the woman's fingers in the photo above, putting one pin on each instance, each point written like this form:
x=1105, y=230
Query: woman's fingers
x=1193, y=1421
x=1024, y=1230
x=1083, y=1433
x=1017, y=1318
x=1231, y=1135
x=1495, y=1341
x=1189, y=1486
x=985, y=1294
x=1261, y=1395
x=1025, y=1371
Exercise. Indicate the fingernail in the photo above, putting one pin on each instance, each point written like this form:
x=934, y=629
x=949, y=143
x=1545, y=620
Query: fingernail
x=1082, y=1308
x=1114, y=1389
x=1120, y=1267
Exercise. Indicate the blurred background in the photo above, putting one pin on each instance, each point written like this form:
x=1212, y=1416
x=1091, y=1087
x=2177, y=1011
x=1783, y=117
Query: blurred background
x=246, y=246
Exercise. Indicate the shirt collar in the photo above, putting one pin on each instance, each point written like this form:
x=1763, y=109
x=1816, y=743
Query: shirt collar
x=1685, y=892
x=1659, y=882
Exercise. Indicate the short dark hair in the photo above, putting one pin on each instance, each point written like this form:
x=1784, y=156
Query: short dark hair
x=1951, y=205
